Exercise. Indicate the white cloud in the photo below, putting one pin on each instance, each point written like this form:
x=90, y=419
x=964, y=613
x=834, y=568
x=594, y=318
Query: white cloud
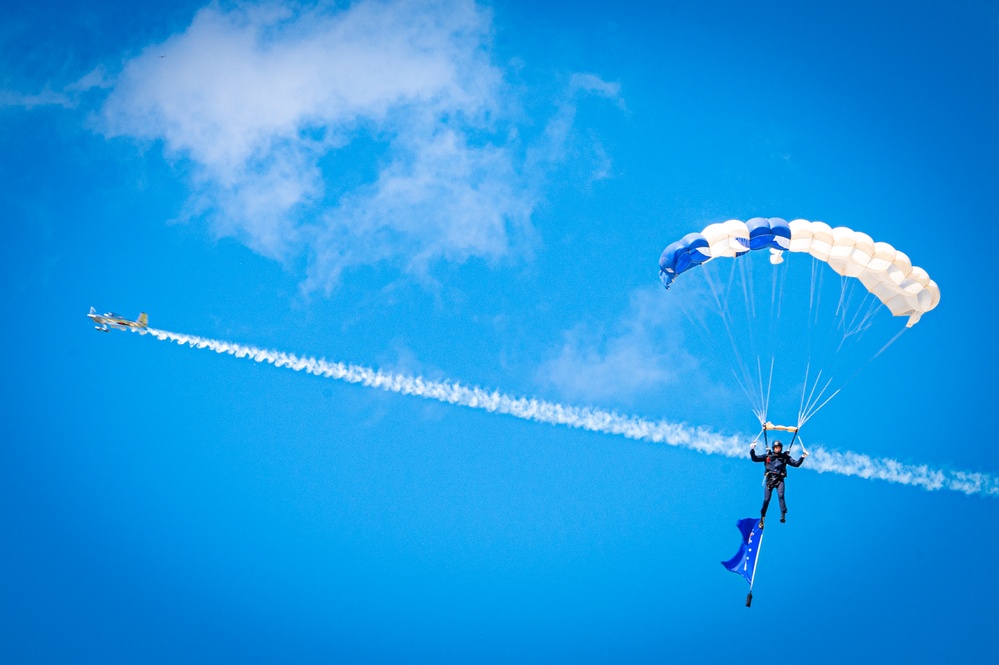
x=256, y=97
x=379, y=132
x=642, y=352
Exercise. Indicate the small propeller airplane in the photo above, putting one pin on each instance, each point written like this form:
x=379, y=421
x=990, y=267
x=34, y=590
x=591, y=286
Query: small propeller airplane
x=117, y=321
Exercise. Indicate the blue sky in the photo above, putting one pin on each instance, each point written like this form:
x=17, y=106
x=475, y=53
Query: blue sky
x=475, y=193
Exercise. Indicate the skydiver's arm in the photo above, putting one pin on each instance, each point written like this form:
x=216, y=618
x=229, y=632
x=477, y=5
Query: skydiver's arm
x=796, y=462
x=755, y=457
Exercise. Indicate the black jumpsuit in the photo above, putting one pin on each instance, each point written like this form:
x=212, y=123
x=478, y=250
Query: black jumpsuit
x=776, y=464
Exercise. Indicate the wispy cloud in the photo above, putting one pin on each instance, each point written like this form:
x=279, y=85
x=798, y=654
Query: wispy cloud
x=46, y=97
x=556, y=146
x=67, y=96
x=640, y=352
x=269, y=103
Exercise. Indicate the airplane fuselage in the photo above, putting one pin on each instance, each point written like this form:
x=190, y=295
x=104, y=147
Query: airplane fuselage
x=110, y=320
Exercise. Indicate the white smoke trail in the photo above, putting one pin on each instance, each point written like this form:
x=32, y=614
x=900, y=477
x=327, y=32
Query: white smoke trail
x=596, y=420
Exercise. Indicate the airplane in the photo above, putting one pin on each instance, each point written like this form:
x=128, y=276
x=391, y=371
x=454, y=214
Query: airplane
x=117, y=321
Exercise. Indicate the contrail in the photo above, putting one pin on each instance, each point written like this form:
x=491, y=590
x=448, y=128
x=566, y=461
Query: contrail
x=594, y=419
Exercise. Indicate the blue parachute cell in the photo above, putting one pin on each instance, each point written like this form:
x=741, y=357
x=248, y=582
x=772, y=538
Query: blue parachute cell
x=668, y=258
x=685, y=253
x=782, y=233
x=773, y=232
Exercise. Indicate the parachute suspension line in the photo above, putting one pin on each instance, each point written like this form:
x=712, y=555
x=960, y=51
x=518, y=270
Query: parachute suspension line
x=749, y=295
x=845, y=294
x=864, y=306
x=780, y=292
x=757, y=411
x=760, y=399
x=841, y=303
x=724, y=312
x=866, y=312
x=708, y=277
x=761, y=412
x=776, y=297
x=774, y=307
x=746, y=272
x=813, y=315
x=805, y=413
x=694, y=319
x=807, y=402
x=813, y=399
x=812, y=288
x=807, y=408
x=804, y=386
x=770, y=383
x=816, y=409
x=890, y=342
x=873, y=306
x=746, y=381
x=817, y=279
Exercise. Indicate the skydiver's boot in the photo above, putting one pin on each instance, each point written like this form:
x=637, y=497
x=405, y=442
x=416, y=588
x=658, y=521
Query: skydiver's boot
x=761, y=520
x=782, y=520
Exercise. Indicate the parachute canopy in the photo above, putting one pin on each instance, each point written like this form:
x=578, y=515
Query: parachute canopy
x=796, y=322
x=886, y=273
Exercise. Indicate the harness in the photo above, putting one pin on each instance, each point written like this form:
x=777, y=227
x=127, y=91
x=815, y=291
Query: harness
x=771, y=479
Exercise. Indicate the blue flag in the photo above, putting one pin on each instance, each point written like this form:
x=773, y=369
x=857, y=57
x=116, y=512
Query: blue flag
x=744, y=562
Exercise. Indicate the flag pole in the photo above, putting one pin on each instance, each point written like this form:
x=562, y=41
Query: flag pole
x=759, y=548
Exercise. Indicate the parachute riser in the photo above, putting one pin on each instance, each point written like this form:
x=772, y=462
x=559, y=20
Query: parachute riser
x=783, y=428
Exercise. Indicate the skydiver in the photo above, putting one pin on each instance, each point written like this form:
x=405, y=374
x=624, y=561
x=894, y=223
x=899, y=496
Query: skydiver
x=776, y=470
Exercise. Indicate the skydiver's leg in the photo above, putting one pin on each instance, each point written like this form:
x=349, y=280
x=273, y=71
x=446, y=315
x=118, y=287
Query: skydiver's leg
x=767, y=491
x=780, y=499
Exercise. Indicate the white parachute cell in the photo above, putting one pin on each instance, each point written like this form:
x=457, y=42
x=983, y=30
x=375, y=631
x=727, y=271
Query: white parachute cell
x=727, y=239
x=883, y=256
x=822, y=241
x=801, y=235
x=860, y=255
x=899, y=268
x=844, y=240
x=934, y=292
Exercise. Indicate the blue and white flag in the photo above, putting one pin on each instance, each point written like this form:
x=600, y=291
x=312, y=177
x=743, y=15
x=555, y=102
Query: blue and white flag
x=744, y=562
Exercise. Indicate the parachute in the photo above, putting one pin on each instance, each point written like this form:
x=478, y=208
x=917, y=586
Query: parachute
x=801, y=304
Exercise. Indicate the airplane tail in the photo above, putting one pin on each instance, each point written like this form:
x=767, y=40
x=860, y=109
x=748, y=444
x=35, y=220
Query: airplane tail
x=143, y=320
x=92, y=310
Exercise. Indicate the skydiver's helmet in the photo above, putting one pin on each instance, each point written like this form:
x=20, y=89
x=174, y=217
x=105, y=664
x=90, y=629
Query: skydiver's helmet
x=778, y=446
